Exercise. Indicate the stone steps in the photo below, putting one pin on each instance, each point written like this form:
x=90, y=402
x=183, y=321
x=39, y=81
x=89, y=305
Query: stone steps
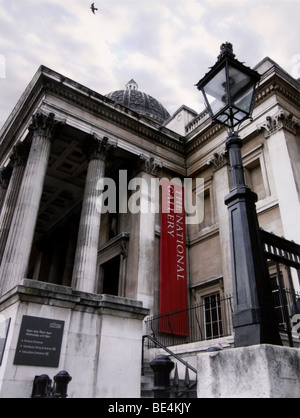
x=147, y=384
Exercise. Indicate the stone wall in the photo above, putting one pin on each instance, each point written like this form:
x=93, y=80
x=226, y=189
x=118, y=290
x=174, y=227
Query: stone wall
x=101, y=344
x=260, y=371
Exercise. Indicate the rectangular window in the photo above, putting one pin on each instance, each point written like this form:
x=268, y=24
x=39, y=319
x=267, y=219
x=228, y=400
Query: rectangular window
x=207, y=210
x=254, y=178
x=110, y=272
x=213, y=316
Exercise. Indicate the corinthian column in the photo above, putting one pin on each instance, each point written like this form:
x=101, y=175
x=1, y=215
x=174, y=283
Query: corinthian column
x=5, y=173
x=222, y=187
x=19, y=158
x=85, y=265
x=19, y=241
x=282, y=134
x=142, y=266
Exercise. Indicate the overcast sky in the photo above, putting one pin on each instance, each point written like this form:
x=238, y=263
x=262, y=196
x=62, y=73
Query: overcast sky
x=166, y=46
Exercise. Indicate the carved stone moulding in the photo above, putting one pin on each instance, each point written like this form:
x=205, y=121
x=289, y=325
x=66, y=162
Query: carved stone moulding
x=42, y=124
x=97, y=148
x=219, y=159
x=20, y=153
x=150, y=164
x=281, y=120
x=5, y=173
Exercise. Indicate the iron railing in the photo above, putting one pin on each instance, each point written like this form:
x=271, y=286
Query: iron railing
x=177, y=390
x=281, y=250
x=208, y=320
x=213, y=319
x=283, y=257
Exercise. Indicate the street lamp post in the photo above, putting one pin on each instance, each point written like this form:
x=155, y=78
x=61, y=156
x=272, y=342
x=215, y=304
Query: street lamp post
x=229, y=92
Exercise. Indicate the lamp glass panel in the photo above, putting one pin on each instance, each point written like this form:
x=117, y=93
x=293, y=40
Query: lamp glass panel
x=241, y=89
x=244, y=101
x=215, y=92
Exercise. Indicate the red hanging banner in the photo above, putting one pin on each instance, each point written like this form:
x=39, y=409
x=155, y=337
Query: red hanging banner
x=173, y=280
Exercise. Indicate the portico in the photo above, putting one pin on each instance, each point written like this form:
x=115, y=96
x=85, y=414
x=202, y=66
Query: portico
x=98, y=273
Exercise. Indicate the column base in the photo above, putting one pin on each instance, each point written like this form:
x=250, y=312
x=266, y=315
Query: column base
x=100, y=346
x=260, y=371
x=254, y=334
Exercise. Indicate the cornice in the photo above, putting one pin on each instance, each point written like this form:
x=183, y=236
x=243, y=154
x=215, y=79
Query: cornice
x=115, y=113
x=273, y=84
x=277, y=85
x=64, y=297
x=19, y=119
x=202, y=138
x=198, y=132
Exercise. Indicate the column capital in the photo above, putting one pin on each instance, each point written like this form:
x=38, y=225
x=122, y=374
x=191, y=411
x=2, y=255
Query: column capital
x=150, y=164
x=96, y=148
x=5, y=173
x=20, y=154
x=281, y=120
x=43, y=124
x=219, y=160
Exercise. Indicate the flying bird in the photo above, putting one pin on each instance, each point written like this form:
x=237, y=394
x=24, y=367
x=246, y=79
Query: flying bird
x=93, y=8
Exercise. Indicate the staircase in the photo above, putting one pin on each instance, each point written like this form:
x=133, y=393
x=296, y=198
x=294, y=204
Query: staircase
x=179, y=388
x=147, y=381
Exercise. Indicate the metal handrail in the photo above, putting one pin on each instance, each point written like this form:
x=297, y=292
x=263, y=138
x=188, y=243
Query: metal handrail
x=197, y=325
x=186, y=364
x=170, y=352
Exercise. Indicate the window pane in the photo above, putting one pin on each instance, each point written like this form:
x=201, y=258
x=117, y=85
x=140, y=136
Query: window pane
x=213, y=316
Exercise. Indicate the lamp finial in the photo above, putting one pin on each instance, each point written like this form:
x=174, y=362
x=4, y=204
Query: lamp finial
x=226, y=49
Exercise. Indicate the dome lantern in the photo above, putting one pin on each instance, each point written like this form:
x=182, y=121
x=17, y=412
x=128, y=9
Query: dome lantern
x=132, y=85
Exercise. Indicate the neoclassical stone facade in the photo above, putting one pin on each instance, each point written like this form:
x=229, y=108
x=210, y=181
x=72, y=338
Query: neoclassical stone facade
x=100, y=272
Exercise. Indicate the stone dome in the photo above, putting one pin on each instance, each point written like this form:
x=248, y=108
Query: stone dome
x=140, y=102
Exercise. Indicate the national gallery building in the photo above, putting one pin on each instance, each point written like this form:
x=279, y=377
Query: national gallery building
x=97, y=250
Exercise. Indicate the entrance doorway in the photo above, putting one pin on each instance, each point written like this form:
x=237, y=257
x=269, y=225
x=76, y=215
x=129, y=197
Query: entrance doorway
x=109, y=276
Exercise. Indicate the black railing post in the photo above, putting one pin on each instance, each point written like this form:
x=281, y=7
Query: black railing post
x=284, y=304
x=42, y=386
x=61, y=381
x=162, y=367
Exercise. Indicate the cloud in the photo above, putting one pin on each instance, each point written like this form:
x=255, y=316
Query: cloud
x=165, y=45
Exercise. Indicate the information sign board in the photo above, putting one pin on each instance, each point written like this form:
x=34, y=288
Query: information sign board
x=39, y=342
